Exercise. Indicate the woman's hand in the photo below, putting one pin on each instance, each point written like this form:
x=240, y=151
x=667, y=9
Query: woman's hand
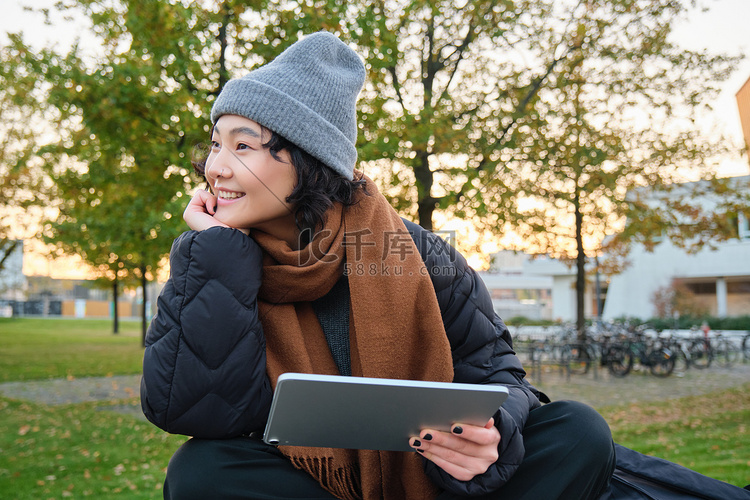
x=465, y=452
x=199, y=214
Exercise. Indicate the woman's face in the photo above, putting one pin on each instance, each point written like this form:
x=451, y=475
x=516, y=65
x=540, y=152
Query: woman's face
x=251, y=186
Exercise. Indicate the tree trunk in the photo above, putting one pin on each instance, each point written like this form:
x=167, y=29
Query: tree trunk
x=223, y=43
x=144, y=323
x=599, y=305
x=580, y=274
x=425, y=211
x=116, y=326
x=425, y=202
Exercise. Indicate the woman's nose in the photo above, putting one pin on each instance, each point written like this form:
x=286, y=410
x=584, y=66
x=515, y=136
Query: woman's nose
x=224, y=173
x=219, y=168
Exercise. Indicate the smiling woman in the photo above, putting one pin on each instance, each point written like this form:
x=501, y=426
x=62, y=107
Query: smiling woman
x=249, y=183
x=296, y=263
x=314, y=188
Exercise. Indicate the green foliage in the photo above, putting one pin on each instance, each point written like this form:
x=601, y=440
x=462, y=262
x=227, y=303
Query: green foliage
x=613, y=127
x=79, y=448
x=21, y=113
x=741, y=323
x=523, y=320
x=33, y=349
x=534, y=115
x=439, y=103
x=127, y=121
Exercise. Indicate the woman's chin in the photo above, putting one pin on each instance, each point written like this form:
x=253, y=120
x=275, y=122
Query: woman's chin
x=231, y=224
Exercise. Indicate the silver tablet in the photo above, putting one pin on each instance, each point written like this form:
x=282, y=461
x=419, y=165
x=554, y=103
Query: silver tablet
x=372, y=413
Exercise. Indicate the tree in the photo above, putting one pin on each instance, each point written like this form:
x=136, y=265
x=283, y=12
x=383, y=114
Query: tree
x=444, y=98
x=677, y=300
x=20, y=178
x=618, y=118
x=536, y=117
x=127, y=121
x=476, y=110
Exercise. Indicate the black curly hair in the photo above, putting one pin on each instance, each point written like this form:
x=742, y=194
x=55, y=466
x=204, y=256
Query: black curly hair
x=317, y=188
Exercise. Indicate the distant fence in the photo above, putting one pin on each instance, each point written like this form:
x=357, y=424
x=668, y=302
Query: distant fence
x=532, y=332
x=74, y=308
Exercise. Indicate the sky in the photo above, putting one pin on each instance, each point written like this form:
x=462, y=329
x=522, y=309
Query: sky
x=724, y=28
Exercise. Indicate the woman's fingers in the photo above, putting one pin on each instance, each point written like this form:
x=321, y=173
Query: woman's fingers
x=210, y=203
x=199, y=212
x=461, y=472
x=465, y=452
x=476, y=434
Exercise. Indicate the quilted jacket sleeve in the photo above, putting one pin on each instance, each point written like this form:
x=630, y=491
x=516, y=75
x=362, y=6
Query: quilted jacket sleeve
x=483, y=353
x=204, y=367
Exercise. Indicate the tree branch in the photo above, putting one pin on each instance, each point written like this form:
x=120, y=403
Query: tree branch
x=397, y=86
x=7, y=246
x=460, y=50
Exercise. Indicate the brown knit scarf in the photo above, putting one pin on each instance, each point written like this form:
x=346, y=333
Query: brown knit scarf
x=396, y=331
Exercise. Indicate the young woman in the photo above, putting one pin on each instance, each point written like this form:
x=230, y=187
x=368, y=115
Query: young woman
x=295, y=262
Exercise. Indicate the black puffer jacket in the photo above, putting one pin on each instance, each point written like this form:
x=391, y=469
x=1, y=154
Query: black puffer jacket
x=204, y=365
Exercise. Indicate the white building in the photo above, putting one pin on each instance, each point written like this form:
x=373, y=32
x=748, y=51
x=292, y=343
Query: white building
x=516, y=289
x=719, y=278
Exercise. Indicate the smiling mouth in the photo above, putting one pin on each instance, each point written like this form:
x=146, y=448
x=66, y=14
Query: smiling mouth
x=230, y=195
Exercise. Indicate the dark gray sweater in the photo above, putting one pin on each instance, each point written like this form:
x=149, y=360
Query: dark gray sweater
x=332, y=311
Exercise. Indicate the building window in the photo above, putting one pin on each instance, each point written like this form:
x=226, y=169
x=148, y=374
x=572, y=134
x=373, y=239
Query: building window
x=738, y=287
x=702, y=288
x=743, y=231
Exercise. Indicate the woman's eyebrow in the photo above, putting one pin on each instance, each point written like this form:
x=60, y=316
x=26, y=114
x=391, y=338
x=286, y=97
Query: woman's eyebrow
x=241, y=131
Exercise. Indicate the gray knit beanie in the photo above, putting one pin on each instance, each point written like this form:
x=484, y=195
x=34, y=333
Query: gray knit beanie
x=307, y=95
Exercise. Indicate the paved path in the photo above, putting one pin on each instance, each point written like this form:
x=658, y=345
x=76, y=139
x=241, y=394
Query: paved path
x=601, y=389
x=597, y=389
x=77, y=390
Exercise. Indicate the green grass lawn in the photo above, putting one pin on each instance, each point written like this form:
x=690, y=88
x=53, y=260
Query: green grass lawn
x=77, y=451
x=33, y=349
x=84, y=450
x=708, y=433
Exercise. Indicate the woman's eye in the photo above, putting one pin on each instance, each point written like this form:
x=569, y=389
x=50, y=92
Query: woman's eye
x=243, y=146
x=215, y=145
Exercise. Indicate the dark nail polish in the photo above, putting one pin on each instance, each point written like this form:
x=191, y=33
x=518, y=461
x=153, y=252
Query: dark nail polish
x=427, y=437
x=417, y=442
x=458, y=429
x=420, y=451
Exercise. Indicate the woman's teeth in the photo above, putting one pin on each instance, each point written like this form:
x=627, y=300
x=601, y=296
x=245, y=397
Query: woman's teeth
x=226, y=195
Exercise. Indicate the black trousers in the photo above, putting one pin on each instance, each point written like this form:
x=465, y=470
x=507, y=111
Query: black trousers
x=569, y=455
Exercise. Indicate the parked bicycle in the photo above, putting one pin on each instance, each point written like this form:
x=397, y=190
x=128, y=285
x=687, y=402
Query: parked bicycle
x=701, y=354
x=622, y=357
x=726, y=351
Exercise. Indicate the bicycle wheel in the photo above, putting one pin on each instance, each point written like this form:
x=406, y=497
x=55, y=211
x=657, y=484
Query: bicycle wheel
x=726, y=353
x=619, y=360
x=681, y=359
x=661, y=362
x=576, y=358
x=746, y=348
x=700, y=354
